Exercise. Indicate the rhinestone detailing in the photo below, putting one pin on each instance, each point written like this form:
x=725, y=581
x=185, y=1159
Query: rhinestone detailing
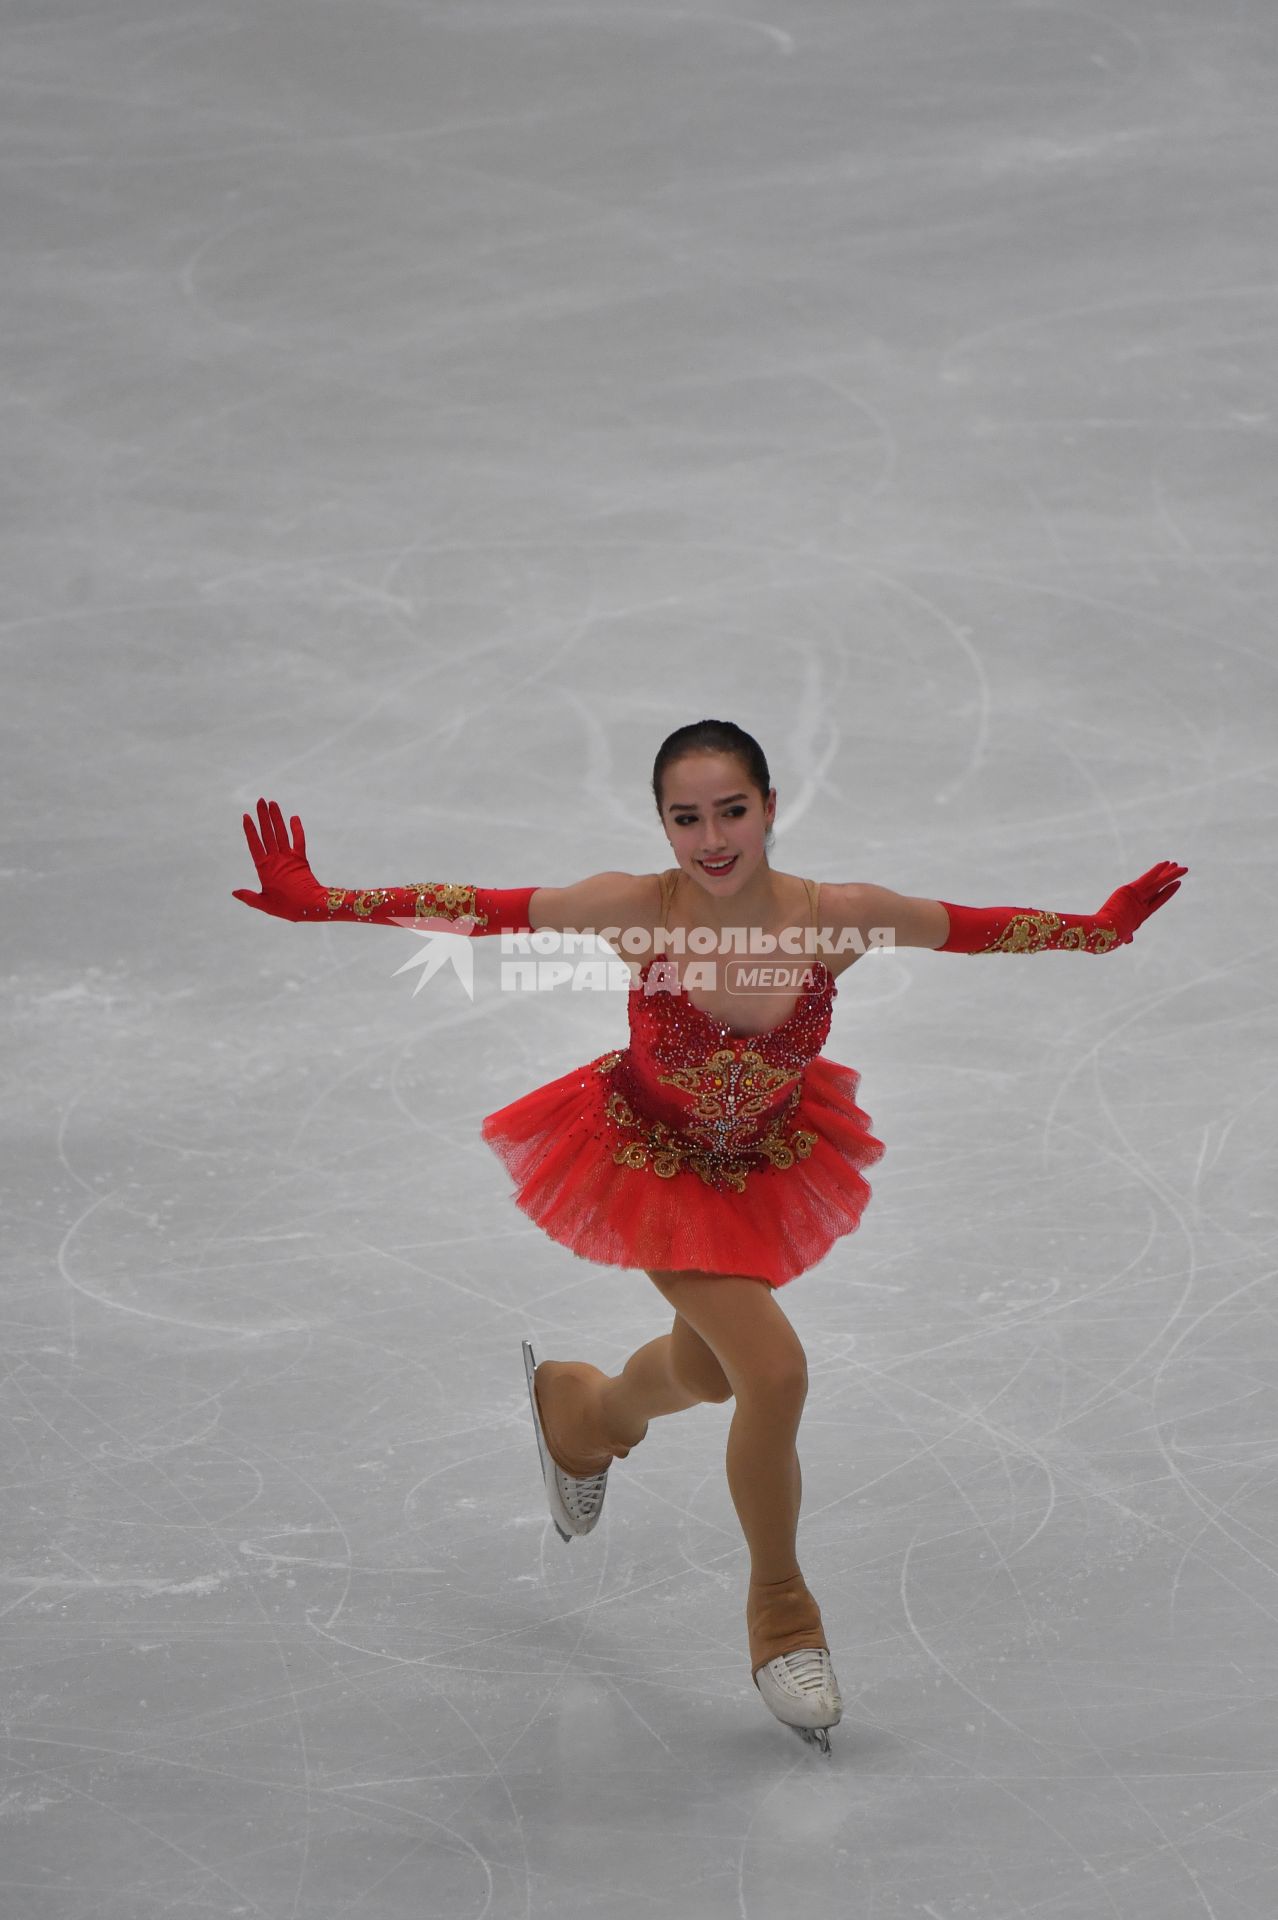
x=1035, y=932
x=690, y=1095
x=424, y=900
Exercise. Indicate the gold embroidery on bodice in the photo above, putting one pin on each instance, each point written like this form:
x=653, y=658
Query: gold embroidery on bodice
x=690, y=1095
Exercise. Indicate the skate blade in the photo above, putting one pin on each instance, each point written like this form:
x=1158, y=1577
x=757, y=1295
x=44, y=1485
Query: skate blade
x=814, y=1737
x=543, y=1452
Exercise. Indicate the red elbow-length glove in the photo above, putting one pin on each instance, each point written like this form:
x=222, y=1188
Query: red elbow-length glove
x=291, y=892
x=1031, y=930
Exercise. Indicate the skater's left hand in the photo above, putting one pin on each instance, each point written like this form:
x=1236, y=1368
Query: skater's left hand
x=1129, y=906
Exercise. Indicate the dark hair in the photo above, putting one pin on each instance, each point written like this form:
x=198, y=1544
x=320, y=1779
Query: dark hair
x=712, y=736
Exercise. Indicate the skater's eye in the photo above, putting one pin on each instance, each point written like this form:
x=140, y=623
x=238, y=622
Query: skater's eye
x=688, y=819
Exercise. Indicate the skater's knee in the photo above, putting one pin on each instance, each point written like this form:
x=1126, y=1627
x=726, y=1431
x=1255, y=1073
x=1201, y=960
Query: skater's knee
x=778, y=1381
x=745, y=1336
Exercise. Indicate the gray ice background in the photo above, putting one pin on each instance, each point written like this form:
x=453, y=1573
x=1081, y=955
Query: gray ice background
x=412, y=413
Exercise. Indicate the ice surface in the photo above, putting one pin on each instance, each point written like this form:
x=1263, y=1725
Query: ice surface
x=413, y=413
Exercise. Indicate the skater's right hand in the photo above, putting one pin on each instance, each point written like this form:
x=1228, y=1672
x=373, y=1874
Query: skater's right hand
x=289, y=889
x=1129, y=907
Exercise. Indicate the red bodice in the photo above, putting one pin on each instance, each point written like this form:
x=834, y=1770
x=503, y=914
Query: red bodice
x=689, y=1092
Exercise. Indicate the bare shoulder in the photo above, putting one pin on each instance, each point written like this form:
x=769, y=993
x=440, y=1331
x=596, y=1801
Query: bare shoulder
x=882, y=917
x=600, y=902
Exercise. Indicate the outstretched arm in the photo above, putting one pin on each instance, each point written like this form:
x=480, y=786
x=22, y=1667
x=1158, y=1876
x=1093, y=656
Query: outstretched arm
x=939, y=924
x=1034, y=930
x=290, y=890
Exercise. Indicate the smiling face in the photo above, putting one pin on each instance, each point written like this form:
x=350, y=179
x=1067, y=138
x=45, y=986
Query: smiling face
x=711, y=813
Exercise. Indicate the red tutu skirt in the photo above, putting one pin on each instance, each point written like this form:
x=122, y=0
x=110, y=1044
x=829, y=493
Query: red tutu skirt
x=558, y=1145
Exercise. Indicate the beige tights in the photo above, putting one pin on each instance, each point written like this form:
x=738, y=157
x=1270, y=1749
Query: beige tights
x=730, y=1339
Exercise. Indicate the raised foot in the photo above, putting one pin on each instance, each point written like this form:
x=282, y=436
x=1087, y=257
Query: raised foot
x=575, y=1502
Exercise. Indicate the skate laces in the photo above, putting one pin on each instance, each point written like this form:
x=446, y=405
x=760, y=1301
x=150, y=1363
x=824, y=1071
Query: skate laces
x=804, y=1673
x=809, y=1668
x=583, y=1497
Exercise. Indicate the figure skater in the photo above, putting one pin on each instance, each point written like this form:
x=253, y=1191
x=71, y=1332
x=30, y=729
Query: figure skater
x=720, y=1152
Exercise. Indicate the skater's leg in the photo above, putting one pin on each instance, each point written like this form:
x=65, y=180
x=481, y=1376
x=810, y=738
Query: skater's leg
x=764, y=1363
x=763, y=1360
x=674, y=1371
x=591, y=1417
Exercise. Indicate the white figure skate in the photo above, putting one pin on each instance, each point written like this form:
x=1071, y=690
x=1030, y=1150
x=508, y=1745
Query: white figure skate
x=575, y=1505
x=802, y=1691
